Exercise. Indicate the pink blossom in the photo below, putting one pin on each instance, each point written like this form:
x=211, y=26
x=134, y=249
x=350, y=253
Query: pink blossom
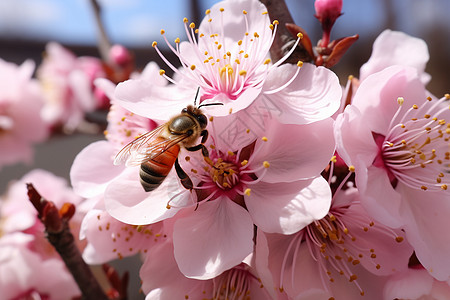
x=397, y=139
x=229, y=60
x=416, y=284
x=239, y=282
x=341, y=255
x=67, y=82
x=269, y=185
x=20, y=107
x=25, y=275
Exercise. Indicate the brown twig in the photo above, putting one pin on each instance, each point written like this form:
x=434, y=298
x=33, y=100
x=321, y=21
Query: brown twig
x=56, y=224
x=284, y=40
x=104, y=45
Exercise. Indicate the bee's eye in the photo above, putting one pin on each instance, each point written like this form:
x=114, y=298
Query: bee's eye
x=184, y=110
x=202, y=120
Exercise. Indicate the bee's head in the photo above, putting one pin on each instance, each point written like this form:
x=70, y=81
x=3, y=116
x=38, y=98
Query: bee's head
x=197, y=114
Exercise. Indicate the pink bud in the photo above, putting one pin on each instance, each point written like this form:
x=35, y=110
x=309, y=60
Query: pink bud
x=328, y=9
x=120, y=55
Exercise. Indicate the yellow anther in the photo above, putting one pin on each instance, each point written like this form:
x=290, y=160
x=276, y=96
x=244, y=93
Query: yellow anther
x=230, y=71
x=162, y=72
x=447, y=96
x=267, y=61
x=248, y=131
x=168, y=206
x=245, y=55
x=209, y=20
x=242, y=72
x=266, y=164
x=426, y=116
x=265, y=13
x=230, y=153
x=444, y=187
x=264, y=139
x=399, y=239
x=207, y=12
x=300, y=64
x=230, y=111
x=333, y=159
x=256, y=35
x=244, y=12
x=244, y=162
x=211, y=119
x=238, y=61
x=185, y=20
x=177, y=40
x=221, y=9
x=275, y=22
x=162, y=31
x=218, y=47
x=247, y=192
x=192, y=25
x=400, y=100
x=240, y=42
x=228, y=53
x=196, y=30
x=154, y=44
x=424, y=188
x=351, y=168
x=271, y=26
x=300, y=35
x=193, y=67
x=415, y=106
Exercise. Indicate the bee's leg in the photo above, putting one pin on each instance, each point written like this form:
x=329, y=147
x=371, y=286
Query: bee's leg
x=184, y=178
x=205, y=151
x=204, y=134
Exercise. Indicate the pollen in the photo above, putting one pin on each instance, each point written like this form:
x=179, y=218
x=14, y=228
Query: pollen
x=399, y=239
x=247, y=192
x=244, y=12
x=162, y=31
x=242, y=72
x=192, y=25
x=192, y=67
x=267, y=61
x=185, y=20
x=300, y=64
x=275, y=22
x=207, y=12
x=333, y=159
x=221, y=9
x=400, y=100
x=162, y=72
x=351, y=168
x=300, y=35
x=266, y=164
x=154, y=44
x=244, y=162
x=177, y=40
x=264, y=139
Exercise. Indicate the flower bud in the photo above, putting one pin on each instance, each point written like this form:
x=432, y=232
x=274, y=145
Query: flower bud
x=120, y=55
x=328, y=10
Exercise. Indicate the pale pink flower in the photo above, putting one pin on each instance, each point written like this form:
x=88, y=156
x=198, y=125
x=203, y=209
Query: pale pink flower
x=161, y=280
x=25, y=275
x=20, y=106
x=340, y=255
x=228, y=58
x=67, y=83
x=397, y=140
x=416, y=284
x=270, y=183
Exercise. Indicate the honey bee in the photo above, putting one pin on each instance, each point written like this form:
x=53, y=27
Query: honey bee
x=157, y=151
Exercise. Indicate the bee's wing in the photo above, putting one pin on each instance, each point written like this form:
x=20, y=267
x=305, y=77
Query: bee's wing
x=146, y=147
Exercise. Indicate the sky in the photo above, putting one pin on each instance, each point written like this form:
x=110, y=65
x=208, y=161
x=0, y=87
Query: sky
x=138, y=22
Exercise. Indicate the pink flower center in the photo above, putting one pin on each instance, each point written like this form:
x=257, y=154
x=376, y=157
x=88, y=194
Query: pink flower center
x=416, y=150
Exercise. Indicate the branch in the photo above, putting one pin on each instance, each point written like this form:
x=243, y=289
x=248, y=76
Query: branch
x=104, y=45
x=284, y=40
x=58, y=234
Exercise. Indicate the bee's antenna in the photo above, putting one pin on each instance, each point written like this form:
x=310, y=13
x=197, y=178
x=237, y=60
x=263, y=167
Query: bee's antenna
x=196, y=95
x=210, y=104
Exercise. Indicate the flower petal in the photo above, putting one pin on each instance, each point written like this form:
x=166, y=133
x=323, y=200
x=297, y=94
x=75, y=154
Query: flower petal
x=212, y=239
x=288, y=207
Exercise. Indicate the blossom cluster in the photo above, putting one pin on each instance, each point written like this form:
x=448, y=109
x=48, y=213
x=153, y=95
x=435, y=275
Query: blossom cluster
x=295, y=187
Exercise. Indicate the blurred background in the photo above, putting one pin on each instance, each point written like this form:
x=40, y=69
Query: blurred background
x=27, y=25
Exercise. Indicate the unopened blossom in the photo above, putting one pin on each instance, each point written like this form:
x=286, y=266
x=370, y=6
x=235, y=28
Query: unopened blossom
x=21, y=103
x=67, y=83
x=24, y=274
x=327, y=11
x=340, y=256
x=416, y=284
x=228, y=58
x=397, y=139
x=162, y=280
x=267, y=182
